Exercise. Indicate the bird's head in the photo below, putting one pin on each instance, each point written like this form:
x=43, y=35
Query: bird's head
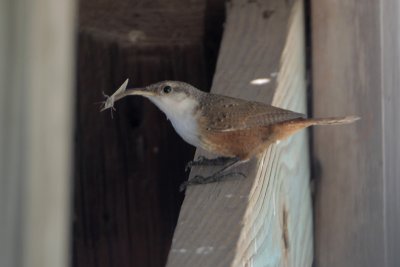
x=167, y=95
x=164, y=90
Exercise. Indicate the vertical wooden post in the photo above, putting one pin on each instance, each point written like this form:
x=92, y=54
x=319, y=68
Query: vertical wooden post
x=390, y=45
x=356, y=51
x=36, y=108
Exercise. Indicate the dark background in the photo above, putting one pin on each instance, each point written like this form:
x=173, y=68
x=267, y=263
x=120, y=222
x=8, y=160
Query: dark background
x=128, y=168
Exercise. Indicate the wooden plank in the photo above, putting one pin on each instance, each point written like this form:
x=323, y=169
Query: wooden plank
x=355, y=70
x=36, y=59
x=145, y=22
x=265, y=219
x=390, y=45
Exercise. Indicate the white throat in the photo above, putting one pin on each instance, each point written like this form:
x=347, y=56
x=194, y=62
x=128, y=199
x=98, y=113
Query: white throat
x=180, y=111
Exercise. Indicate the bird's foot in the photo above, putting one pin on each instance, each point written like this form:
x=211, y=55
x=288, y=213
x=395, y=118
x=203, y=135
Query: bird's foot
x=203, y=161
x=216, y=177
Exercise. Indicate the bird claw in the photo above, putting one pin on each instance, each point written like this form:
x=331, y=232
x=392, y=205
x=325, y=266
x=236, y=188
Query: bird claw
x=203, y=161
x=199, y=161
x=240, y=174
x=199, y=179
x=189, y=166
x=183, y=186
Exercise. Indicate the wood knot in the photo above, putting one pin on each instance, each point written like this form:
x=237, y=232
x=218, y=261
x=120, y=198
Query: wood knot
x=285, y=231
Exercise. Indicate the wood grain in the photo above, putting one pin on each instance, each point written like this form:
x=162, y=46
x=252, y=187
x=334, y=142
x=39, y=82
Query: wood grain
x=390, y=45
x=144, y=22
x=265, y=219
x=355, y=70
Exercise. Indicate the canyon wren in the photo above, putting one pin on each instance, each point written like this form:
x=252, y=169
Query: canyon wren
x=233, y=129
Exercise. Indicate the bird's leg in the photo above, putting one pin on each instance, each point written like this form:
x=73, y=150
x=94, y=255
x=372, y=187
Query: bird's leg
x=203, y=161
x=217, y=176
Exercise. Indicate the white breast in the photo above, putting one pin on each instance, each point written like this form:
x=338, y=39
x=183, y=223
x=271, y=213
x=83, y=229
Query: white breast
x=181, y=115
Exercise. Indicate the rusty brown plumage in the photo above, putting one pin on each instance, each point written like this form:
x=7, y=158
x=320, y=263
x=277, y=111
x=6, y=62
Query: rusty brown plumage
x=234, y=127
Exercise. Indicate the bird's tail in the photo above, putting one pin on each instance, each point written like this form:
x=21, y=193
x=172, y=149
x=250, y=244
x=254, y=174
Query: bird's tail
x=331, y=121
x=288, y=128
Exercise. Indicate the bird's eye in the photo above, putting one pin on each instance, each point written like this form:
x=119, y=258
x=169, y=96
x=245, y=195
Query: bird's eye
x=167, y=89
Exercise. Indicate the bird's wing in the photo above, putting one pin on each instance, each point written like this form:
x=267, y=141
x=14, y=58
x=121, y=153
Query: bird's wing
x=236, y=114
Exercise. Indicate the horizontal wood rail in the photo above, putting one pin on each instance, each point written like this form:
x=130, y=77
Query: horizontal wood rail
x=264, y=219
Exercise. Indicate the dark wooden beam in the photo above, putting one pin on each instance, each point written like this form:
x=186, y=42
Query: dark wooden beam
x=129, y=168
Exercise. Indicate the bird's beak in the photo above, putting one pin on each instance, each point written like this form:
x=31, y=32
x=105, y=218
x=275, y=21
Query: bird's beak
x=144, y=91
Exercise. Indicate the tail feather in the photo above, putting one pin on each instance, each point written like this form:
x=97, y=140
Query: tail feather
x=333, y=121
x=295, y=125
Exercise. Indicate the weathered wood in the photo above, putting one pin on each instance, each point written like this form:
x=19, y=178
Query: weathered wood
x=356, y=71
x=144, y=23
x=265, y=219
x=36, y=88
x=129, y=168
x=390, y=45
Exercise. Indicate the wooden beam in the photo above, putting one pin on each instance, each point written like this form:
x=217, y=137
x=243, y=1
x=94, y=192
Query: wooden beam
x=36, y=89
x=356, y=52
x=265, y=219
x=125, y=211
x=390, y=45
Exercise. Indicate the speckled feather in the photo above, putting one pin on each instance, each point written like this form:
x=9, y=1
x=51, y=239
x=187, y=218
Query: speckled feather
x=223, y=113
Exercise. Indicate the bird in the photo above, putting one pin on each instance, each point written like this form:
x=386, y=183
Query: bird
x=233, y=129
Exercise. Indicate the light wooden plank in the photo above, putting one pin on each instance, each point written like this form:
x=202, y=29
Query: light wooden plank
x=36, y=88
x=355, y=70
x=265, y=219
